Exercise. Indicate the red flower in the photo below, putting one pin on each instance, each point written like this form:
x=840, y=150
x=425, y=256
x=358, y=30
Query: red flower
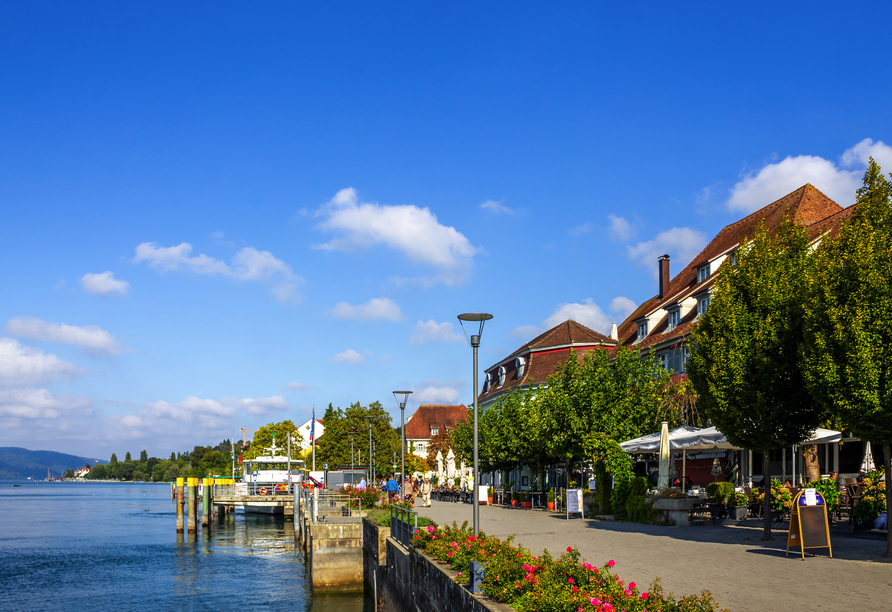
x=611, y=563
x=569, y=549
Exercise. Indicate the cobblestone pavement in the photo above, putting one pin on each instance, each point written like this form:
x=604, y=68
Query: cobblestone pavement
x=743, y=573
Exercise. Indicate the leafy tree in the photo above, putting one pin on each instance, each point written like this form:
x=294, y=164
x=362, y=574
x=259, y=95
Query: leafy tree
x=342, y=424
x=263, y=438
x=441, y=443
x=68, y=474
x=143, y=456
x=127, y=457
x=745, y=364
x=114, y=459
x=848, y=320
x=173, y=456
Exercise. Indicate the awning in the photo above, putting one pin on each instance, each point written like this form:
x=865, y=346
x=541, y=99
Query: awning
x=709, y=438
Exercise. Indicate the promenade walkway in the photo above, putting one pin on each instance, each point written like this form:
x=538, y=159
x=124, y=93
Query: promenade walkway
x=743, y=573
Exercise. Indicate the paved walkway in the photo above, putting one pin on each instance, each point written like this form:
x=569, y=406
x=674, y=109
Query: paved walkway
x=742, y=572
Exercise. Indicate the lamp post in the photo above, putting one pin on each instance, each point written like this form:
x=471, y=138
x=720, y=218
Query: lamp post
x=474, y=341
x=401, y=397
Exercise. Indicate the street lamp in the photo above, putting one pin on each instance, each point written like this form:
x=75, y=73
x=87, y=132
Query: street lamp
x=401, y=397
x=474, y=341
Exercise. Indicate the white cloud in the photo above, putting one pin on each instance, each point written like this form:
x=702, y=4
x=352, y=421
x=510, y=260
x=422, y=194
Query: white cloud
x=433, y=394
x=413, y=231
x=428, y=331
x=26, y=403
x=497, y=208
x=259, y=406
x=775, y=180
x=579, y=230
x=620, y=229
x=210, y=416
x=349, y=356
x=377, y=308
x=21, y=366
x=296, y=386
x=103, y=284
x=90, y=337
x=248, y=264
x=588, y=313
x=681, y=243
x=622, y=306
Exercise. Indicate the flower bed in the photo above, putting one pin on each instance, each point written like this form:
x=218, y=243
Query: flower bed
x=564, y=584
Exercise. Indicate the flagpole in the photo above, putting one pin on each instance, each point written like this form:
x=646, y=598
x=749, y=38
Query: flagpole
x=313, y=436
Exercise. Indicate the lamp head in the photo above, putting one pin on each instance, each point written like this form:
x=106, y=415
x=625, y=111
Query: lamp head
x=474, y=317
x=401, y=397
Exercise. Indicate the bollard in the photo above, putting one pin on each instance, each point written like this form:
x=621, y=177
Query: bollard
x=191, y=506
x=205, y=502
x=179, y=503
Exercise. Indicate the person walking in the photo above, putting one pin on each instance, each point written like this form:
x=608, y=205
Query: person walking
x=426, y=488
x=408, y=491
x=392, y=489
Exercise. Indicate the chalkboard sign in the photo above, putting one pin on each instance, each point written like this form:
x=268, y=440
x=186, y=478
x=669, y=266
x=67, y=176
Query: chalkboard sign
x=809, y=527
x=574, y=502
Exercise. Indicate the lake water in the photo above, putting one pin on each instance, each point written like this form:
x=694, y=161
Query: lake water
x=114, y=546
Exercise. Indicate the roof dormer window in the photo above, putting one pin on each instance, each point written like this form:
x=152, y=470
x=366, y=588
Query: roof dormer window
x=642, y=331
x=503, y=374
x=674, y=319
x=434, y=431
x=520, y=366
x=702, y=273
x=487, y=382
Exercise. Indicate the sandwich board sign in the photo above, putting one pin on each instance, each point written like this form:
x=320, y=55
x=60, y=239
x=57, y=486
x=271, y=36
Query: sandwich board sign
x=574, y=503
x=809, y=527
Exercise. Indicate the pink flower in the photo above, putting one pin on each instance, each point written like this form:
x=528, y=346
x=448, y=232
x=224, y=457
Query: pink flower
x=472, y=539
x=431, y=529
x=569, y=549
x=611, y=563
x=458, y=574
x=644, y=596
x=574, y=589
x=449, y=554
x=631, y=585
x=570, y=580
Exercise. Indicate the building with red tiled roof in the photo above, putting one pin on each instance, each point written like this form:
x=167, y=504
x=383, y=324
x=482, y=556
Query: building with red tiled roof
x=538, y=359
x=663, y=322
x=429, y=420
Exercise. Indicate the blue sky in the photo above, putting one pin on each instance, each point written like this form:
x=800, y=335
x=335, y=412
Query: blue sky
x=218, y=215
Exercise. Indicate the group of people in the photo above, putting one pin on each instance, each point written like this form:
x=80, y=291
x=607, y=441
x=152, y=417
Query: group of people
x=412, y=488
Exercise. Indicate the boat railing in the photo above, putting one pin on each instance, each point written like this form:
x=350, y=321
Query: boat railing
x=322, y=505
x=403, y=524
x=256, y=489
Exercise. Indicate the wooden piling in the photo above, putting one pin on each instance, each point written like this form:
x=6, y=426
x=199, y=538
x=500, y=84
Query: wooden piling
x=206, y=495
x=179, y=503
x=192, y=505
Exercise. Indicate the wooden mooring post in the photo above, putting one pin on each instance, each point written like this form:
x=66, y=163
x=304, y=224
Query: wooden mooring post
x=192, y=505
x=179, y=503
x=207, y=496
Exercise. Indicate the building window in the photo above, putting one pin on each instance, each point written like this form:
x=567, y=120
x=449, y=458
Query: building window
x=642, y=330
x=520, y=366
x=702, y=306
x=674, y=360
x=487, y=382
x=702, y=273
x=419, y=446
x=434, y=431
x=502, y=375
x=733, y=258
x=674, y=318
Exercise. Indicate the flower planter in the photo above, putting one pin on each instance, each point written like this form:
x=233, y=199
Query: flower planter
x=488, y=501
x=550, y=506
x=526, y=505
x=514, y=503
x=739, y=513
x=677, y=511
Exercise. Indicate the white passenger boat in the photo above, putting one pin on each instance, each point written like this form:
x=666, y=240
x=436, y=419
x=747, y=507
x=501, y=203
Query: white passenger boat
x=268, y=479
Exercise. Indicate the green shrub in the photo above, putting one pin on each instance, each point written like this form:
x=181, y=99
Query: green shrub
x=639, y=485
x=720, y=492
x=829, y=490
x=524, y=496
x=639, y=510
x=621, y=493
x=551, y=495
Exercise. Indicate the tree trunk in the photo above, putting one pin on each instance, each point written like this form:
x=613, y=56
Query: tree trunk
x=766, y=500
x=812, y=465
x=887, y=460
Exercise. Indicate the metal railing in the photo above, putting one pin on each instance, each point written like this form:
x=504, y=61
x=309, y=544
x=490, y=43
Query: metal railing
x=321, y=505
x=402, y=526
x=248, y=488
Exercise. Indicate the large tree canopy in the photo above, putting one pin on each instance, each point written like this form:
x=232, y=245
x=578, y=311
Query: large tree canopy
x=353, y=422
x=848, y=319
x=745, y=364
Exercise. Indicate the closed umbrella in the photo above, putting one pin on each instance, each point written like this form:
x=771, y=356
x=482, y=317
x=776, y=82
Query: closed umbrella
x=663, y=481
x=440, y=468
x=450, y=466
x=867, y=464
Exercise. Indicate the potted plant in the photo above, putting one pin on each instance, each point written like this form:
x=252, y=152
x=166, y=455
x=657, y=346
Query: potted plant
x=719, y=492
x=489, y=496
x=550, y=502
x=525, y=500
x=515, y=498
x=738, y=506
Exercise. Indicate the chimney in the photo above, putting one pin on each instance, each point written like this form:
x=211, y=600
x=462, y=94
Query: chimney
x=663, y=263
x=614, y=335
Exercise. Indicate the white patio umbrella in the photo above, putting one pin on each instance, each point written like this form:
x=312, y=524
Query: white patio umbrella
x=663, y=481
x=867, y=464
x=440, y=467
x=450, y=466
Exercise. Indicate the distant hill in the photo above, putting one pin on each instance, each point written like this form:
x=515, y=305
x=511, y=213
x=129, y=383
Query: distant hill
x=18, y=463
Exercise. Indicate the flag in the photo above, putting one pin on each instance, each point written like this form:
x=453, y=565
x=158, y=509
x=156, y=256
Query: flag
x=313, y=425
